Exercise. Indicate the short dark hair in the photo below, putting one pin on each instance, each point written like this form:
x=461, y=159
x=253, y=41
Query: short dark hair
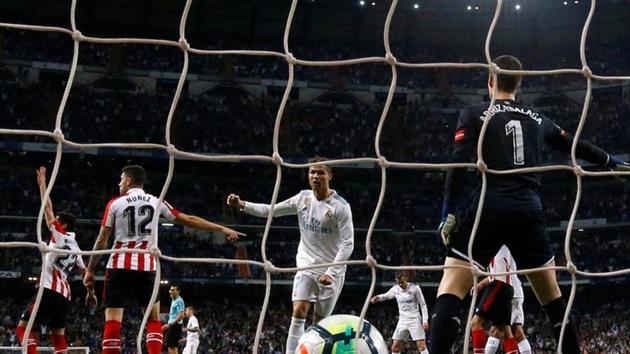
x=175, y=286
x=508, y=83
x=320, y=159
x=400, y=273
x=136, y=173
x=191, y=308
x=68, y=219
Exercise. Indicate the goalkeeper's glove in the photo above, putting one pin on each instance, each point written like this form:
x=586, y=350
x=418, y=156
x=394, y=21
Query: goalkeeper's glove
x=618, y=165
x=447, y=227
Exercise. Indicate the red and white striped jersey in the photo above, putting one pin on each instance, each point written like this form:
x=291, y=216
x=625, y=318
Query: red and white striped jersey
x=504, y=262
x=130, y=216
x=57, y=267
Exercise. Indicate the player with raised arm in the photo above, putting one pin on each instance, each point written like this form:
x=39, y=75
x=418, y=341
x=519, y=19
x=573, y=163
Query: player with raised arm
x=192, y=332
x=176, y=315
x=53, y=308
x=512, y=212
x=410, y=323
x=326, y=236
x=130, y=276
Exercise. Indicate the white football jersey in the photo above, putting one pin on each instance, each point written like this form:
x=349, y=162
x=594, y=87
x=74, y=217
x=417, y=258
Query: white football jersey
x=192, y=323
x=130, y=216
x=410, y=300
x=503, y=262
x=57, y=266
x=326, y=229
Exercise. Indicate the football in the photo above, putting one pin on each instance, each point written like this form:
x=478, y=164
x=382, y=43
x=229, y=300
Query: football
x=336, y=334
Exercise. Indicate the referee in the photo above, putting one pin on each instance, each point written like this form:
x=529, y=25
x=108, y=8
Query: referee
x=175, y=320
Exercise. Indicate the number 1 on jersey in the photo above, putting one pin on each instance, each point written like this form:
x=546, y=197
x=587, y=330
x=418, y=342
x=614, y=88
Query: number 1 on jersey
x=514, y=127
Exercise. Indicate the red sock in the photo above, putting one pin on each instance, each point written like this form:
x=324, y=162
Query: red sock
x=479, y=341
x=154, y=337
x=111, y=337
x=32, y=342
x=59, y=342
x=510, y=346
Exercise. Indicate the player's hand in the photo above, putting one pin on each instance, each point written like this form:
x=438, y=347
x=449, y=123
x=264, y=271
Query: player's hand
x=165, y=327
x=41, y=175
x=374, y=299
x=88, y=281
x=235, y=201
x=184, y=329
x=233, y=235
x=425, y=326
x=479, y=288
x=90, y=299
x=446, y=228
x=325, y=279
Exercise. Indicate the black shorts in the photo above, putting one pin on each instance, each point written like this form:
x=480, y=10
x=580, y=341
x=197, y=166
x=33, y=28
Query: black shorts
x=123, y=287
x=173, y=336
x=52, y=312
x=496, y=303
x=523, y=232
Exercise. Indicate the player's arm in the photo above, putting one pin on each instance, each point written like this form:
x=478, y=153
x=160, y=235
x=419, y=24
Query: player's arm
x=346, y=235
x=49, y=215
x=200, y=223
x=464, y=148
x=560, y=139
x=383, y=297
x=90, y=297
x=423, y=308
x=286, y=207
x=99, y=244
x=481, y=285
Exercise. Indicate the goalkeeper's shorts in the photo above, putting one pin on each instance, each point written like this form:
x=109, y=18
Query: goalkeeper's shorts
x=523, y=232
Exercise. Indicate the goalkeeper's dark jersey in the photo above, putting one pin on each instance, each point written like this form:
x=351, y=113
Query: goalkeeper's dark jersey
x=513, y=140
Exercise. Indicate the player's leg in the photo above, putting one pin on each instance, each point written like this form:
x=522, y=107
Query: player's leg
x=304, y=292
x=58, y=339
x=455, y=284
x=417, y=335
x=493, y=342
x=401, y=333
x=173, y=337
x=518, y=318
x=141, y=292
x=154, y=338
x=45, y=313
x=396, y=346
x=20, y=331
x=57, y=323
x=531, y=249
x=111, y=333
x=478, y=334
x=509, y=343
x=327, y=296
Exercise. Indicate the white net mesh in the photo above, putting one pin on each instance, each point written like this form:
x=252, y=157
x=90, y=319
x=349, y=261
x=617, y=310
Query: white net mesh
x=71, y=350
x=277, y=160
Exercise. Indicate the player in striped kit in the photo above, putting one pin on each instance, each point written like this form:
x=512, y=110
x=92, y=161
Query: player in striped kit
x=53, y=309
x=326, y=236
x=410, y=300
x=130, y=276
x=501, y=263
x=192, y=332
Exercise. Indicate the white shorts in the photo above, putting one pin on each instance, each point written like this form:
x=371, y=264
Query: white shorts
x=518, y=317
x=191, y=347
x=405, y=329
x=307, y=288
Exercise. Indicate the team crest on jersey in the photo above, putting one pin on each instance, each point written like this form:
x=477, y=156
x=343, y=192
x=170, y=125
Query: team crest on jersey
x=307, y=201
x=329, y=213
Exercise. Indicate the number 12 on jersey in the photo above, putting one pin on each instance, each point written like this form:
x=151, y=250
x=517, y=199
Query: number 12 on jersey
x=514, y=127
x=130, y=213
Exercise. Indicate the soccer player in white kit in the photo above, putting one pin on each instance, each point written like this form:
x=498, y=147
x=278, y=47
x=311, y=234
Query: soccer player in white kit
x=410, y=301
x=130, y=276
x=192, y=332
x=501, y=263
x=326, y=236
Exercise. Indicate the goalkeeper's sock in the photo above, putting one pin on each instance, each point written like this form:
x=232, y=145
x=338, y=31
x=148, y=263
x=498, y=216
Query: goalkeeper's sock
x=492, y=345
x=524, y=347
x=445, y=323
x=295, y=332
x=555, y=312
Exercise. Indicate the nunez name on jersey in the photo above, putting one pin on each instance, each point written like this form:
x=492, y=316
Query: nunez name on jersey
x=130, y=216
x=57, y=266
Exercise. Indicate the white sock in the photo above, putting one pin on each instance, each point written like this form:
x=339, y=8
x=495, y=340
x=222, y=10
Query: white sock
x=395, y=352
x=492, y=345
x=425, y=351
x=295, y=332
x=524, y=347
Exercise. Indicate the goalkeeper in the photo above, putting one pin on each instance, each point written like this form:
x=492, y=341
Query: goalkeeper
x=512, y=212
